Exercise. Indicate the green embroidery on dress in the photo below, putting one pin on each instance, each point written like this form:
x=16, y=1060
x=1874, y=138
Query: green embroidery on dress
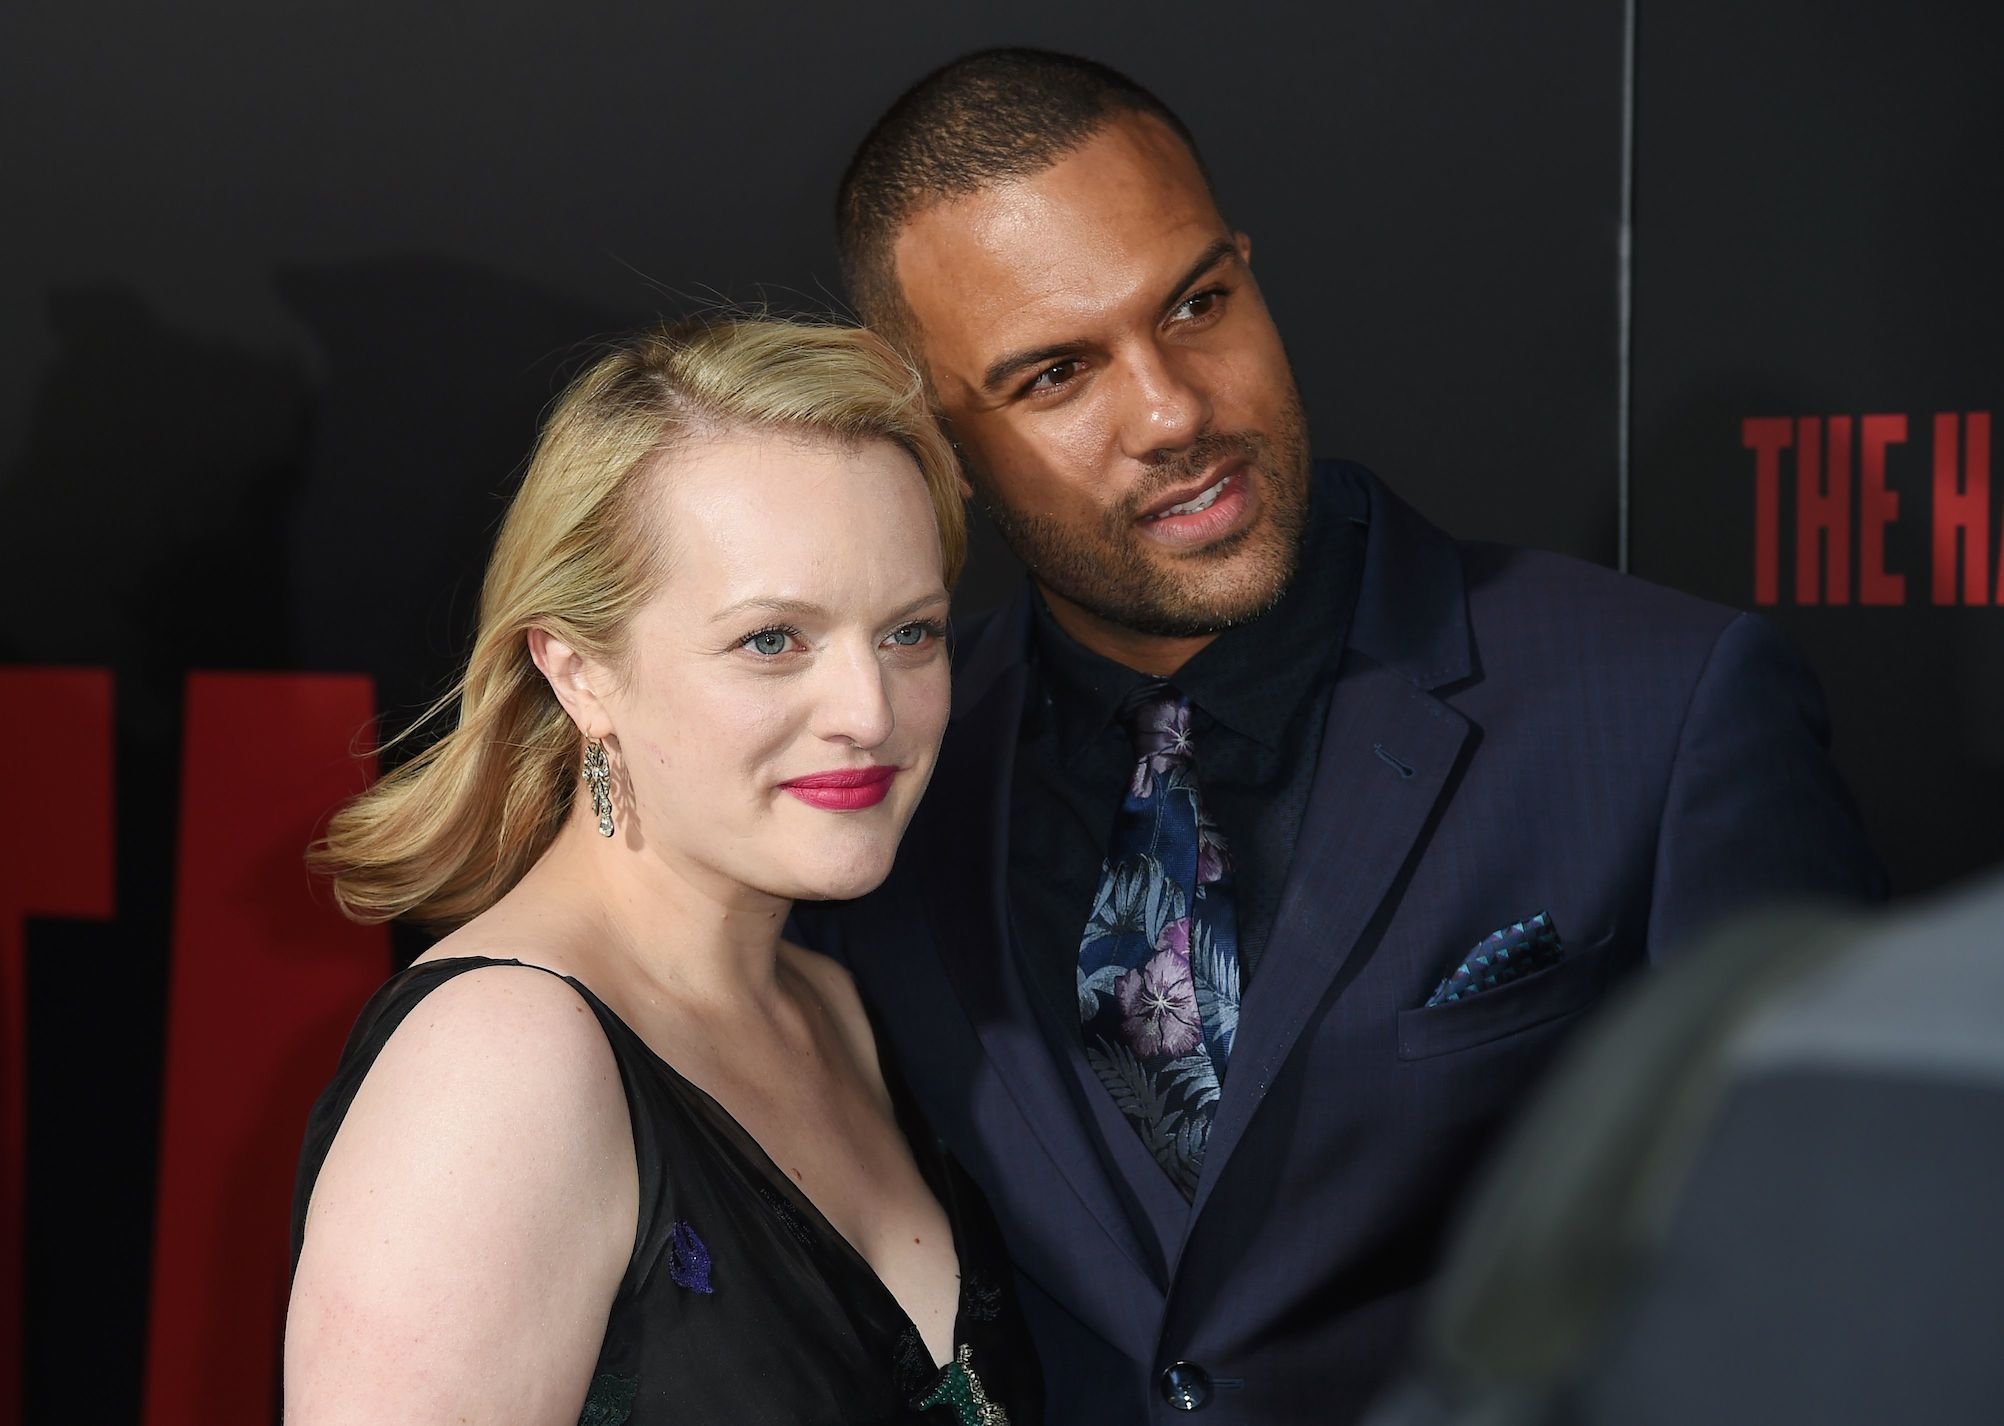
x=610, y=1400
x=961, y=1391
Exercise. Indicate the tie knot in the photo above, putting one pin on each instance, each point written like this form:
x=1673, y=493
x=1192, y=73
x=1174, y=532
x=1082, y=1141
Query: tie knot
x=1157, y=718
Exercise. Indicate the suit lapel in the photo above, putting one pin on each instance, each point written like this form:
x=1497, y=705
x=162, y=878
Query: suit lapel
x=962, y=836
x=1366, y=819
x=1389, y=753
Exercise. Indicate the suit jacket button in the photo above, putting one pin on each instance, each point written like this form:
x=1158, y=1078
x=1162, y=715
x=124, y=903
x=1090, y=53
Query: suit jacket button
x=1185, y=1386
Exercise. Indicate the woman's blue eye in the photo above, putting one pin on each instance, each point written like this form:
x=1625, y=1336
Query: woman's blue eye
x=770, y=643
x=916, y=633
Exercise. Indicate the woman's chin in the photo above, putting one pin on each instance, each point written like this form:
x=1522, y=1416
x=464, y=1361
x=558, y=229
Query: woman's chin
x=844, y=881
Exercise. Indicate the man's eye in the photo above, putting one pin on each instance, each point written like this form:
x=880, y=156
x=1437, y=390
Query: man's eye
x=1201, y=305
x=1053, y=376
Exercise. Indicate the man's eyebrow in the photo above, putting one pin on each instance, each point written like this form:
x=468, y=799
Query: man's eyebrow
x=1003, y=367
x=1208, y=259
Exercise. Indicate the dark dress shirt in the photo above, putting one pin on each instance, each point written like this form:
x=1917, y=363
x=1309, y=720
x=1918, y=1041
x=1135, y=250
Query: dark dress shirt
x=1259, y=695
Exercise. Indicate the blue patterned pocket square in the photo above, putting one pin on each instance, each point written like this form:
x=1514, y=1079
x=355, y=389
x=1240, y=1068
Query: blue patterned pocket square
x=1501, y=957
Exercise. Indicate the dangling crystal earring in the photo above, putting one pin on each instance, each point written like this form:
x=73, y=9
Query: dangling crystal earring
x=598, y=777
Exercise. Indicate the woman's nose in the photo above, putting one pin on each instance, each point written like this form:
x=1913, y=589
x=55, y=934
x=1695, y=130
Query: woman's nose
x=854, y=704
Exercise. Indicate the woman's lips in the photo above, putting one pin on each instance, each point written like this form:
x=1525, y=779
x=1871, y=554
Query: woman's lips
x=845, y=790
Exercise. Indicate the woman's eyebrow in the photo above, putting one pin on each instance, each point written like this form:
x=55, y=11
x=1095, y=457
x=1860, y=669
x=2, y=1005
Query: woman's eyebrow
x=768, y=604
x=807, y=609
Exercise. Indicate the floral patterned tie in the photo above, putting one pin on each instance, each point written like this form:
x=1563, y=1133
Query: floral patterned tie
x=1159, y=961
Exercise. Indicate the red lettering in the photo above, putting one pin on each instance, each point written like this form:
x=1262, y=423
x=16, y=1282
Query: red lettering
x=1767, y=437
x=55, y=860
x=265, y=981
x=1962, y=508
x=1823, y=512
x=1878, y=507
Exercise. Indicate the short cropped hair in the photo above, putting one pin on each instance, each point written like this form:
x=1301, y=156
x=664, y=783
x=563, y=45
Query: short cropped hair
x=981, y=120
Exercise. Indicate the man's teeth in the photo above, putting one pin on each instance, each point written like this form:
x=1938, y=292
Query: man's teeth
x=1202, y=502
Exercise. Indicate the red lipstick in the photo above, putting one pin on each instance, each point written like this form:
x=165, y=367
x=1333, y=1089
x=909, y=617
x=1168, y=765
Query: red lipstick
x=845, y=789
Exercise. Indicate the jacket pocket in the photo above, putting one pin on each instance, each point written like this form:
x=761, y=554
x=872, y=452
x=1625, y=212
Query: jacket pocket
x=1550, y=994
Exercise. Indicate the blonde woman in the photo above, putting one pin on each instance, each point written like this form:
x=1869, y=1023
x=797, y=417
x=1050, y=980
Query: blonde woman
x=613, y=1151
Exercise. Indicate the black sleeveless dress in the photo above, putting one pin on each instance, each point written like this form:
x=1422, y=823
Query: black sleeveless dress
x=741, y=1304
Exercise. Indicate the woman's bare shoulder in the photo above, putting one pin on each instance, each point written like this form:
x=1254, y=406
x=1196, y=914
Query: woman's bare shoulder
x=502, y=1024
x=500, y=1063
x=479, y=1196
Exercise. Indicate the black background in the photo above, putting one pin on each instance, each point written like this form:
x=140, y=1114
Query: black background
x=1819, y=203
x=288, y=287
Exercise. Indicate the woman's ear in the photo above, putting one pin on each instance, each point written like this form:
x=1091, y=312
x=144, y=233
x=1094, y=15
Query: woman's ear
x=571, y=676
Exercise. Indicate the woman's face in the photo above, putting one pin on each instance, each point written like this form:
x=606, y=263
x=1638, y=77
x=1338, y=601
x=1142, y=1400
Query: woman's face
x=787, y=685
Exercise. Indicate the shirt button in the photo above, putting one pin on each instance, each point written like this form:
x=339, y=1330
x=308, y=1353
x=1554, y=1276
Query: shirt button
x=1186, y=1386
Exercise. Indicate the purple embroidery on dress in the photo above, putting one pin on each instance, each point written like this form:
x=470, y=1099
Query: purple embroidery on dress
x=688, y=1259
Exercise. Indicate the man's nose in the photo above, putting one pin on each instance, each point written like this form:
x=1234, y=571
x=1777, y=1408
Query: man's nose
x=1168, y=403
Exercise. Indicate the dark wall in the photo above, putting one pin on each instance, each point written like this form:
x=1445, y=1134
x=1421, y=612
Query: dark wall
x=1820, y=211
x=287, y=288
x=353, y=249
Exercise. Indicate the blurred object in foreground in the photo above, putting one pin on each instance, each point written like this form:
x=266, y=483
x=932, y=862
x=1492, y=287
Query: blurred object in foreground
x=1765, y=1190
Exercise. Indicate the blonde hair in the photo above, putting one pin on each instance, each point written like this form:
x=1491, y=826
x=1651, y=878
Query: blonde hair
x=445, y=835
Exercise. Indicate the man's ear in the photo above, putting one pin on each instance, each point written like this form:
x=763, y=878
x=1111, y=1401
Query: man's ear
x=571, y=676
x=1243, y=242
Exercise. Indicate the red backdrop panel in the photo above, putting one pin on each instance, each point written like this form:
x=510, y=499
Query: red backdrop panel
x=266, y=979
x=55, y=860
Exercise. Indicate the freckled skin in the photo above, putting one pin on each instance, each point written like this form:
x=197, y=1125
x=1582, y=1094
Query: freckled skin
x=1148, y=376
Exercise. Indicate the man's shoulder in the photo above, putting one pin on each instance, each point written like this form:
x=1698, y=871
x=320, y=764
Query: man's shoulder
x=1448, y=607
x=1510, y=582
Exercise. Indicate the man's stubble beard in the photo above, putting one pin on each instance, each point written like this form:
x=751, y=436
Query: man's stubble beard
x=1107, y=573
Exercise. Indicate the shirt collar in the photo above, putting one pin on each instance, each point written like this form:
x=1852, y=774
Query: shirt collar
x=1253, y=676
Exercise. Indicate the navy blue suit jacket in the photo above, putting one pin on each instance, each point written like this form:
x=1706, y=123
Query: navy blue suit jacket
x=1510, y=732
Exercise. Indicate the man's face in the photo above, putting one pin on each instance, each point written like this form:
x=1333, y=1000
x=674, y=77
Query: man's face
x=1119, y=393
